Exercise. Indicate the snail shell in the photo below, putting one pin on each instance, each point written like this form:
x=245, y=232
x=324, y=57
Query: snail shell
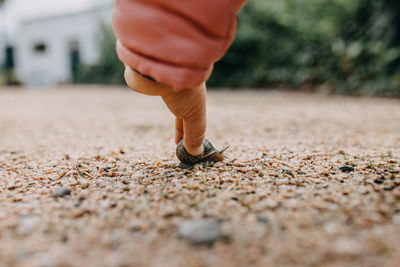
x=210, y=154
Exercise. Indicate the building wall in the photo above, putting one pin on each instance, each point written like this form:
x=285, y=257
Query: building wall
x=2, y=52
x=43, y=46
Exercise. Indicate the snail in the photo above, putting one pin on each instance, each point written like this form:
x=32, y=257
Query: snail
x=210, y=154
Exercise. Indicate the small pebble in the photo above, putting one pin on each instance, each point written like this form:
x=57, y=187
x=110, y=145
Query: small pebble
x=262, y=219
x=294, y=131
x=379, y=180
x=170, y=175
x=201, y=232
x=62, y=192
x=287, y=171
x=346, y=168
x=77, y=203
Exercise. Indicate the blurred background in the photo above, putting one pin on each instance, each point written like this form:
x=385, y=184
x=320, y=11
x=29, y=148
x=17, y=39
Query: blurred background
x=329, y=46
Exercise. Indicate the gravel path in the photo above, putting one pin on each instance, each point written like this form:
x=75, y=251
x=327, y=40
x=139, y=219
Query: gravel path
x=88, y=177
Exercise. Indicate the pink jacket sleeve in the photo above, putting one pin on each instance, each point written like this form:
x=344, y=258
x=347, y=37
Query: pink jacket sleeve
x=176, y=42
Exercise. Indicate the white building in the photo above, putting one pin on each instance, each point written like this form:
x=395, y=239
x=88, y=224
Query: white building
x=2, y=37
x=47, y=47
x=2, y=50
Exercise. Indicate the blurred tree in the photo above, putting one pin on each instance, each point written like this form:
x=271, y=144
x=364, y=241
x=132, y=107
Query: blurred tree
x=341, y=46
x=108, y=70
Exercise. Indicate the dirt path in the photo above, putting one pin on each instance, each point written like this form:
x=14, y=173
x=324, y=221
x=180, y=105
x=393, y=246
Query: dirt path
x=88, y=177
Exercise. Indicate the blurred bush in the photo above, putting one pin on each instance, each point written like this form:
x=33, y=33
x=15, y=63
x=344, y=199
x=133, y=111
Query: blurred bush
x=335, y=46
x=108, y=70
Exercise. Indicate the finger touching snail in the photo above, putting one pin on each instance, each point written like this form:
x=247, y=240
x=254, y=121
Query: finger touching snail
x=210, y=154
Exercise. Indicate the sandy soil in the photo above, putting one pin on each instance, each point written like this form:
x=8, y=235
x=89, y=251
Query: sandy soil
x=309, y=180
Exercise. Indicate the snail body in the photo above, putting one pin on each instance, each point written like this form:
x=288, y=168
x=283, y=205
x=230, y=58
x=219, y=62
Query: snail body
x=210, y=154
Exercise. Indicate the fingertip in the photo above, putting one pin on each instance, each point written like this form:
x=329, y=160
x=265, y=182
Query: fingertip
x=177, y=140
x=194, y=147
x=129, y=78
x=178, y=130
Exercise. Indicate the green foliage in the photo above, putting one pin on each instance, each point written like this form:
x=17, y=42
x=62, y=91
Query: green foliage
x=342, y=46
x=108, y=70
x=339, y=46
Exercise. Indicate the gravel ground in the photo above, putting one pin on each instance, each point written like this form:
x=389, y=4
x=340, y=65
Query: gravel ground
x=88, y=177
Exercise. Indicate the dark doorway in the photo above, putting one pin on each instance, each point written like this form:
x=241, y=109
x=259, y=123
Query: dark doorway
x=9, y=57
x=75, y=60
x=9, y=65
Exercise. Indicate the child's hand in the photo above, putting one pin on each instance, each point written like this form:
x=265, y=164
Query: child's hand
x=189, y=107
